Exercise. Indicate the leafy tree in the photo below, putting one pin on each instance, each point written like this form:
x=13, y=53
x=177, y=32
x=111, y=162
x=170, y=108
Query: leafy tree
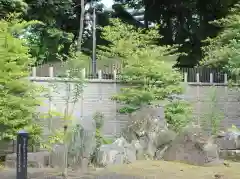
x=145, y=65
x=18, y=95
x=55, y=38
x=224, y=49
x=123, y=36
x=10, y=6
x=184, y=22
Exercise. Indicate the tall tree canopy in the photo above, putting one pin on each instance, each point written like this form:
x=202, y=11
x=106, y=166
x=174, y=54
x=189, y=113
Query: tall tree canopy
x=224, y=49
x=181, y=22
x=185, y=22
x=53, y=39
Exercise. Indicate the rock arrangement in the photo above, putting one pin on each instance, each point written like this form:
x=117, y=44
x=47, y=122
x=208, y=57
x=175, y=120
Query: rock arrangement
x=194, y=147
x=229, y=145
x=190, y=146
x=147, y=137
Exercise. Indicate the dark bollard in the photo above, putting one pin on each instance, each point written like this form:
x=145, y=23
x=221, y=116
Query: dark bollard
x=22, y=146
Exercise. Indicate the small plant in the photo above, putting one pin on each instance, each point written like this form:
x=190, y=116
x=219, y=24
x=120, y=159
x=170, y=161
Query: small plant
x=234, y=129
x=100, y=140
x=178, y=114
x=214, y=117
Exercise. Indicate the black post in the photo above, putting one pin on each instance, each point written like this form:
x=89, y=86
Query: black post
x=22, y=146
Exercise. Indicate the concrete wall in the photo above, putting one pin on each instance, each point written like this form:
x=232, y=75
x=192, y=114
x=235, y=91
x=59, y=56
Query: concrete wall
x=96, y=98
x=227, y=102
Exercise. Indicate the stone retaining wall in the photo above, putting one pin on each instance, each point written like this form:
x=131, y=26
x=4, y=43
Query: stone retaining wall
x=97, y=96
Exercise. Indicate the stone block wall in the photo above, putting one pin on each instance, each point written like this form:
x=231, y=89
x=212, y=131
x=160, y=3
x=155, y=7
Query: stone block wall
x=97, y=94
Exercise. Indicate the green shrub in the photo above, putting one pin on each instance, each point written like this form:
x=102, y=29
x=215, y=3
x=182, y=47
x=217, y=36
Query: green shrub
x=178, y=114
x=100, y=139
x=18, y=95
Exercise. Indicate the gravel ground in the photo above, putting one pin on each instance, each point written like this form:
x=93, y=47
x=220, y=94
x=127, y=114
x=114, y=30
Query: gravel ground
x=141, y=170
x=53, y=174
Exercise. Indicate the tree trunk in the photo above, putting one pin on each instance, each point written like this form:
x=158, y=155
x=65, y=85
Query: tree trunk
x=81, y=26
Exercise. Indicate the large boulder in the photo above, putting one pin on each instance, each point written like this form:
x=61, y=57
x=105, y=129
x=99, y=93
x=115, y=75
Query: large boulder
x=129, y=149
x=192, y=146
x=149, y=131
x=229, y=144
x=119, y=152
x=110, y=155
x=229, y=140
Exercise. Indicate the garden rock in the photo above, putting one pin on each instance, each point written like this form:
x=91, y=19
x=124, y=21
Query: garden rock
x=119, y=152
x=160, y=152
x=35, y=160
x=57, y=158
x=192, y=146
x=140, y=151
x=229, y=140
x=129, y=149
x=233, y=155
x=150, y=130
x=110, y=155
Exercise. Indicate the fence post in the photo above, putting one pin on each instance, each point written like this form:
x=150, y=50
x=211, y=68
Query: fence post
x=197, y=78
x=34, y=71
x=211, y=78
x=225, y=78
x=22, y=147
x=51, y=72
x=185, y=77
x=100, y=74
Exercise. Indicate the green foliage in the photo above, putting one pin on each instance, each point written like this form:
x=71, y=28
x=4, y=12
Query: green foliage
x=183, y=22
x=11, y=6
x=224, y=49
x=18, y=95
x=73, y=94
x=178, y=114
x=234, y=129
x=100, y=140
x=47, y=43
x=127, y=41
x=74, y=65
x=146, y=68
x=151, y=81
